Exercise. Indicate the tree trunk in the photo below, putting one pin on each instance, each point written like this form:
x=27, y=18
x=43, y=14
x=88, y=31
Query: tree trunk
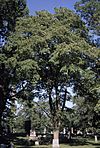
x=55, y=143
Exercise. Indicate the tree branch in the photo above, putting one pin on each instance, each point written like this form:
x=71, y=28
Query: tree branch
x=63, y=106
x=43, y=110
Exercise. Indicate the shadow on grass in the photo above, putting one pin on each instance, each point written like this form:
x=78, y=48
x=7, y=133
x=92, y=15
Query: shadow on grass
x=77, y=142
x=31, y=147
x=24, y=142
x=81, y=142
x=4, y=139
x=94, y=144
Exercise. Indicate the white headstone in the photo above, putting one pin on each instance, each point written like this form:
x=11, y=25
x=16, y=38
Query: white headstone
x=36, y=143
x=32, y=135
x=64, y=131
x=96, y=139
x=44, y=132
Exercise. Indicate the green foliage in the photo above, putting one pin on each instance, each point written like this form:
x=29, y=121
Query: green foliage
x=54, y=48
x=89, y=10
x=97, y=107
x=10, y=11
x=50, y=52
x=34, y=112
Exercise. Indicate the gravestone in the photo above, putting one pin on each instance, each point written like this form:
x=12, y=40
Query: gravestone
x=44, y=132
x=64, y=131
x=96, y=139
x=72, y=130
x=37, y=143
x=32, y=135
x=28, y=127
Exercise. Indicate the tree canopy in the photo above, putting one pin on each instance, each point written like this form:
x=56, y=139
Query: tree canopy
x=46, y=54
x=56, y=46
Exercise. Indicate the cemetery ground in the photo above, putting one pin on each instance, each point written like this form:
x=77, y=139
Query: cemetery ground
x=76, y=142
x=89, y=144
x=63, y=146
x=20, y=140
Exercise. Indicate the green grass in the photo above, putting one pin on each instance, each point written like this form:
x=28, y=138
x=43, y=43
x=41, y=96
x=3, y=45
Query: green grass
x=61, y=146
x=21, y=142
x=87, y=145
x=80, y=146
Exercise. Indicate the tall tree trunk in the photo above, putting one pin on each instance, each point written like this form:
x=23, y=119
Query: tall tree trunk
x=56, y=126
x=55, y=143
x=55, y=109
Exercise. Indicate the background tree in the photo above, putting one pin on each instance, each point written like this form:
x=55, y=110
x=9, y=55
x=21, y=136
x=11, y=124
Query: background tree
x=34, y=112
x=89, y=10
x=9, y=12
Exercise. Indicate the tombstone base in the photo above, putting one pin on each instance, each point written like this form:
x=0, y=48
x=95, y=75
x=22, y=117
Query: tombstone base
x=55, y=143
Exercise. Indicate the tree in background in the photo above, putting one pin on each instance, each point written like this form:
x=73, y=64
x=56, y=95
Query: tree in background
x=34, y=112
x=9, y=12
x=58, y=44
x=89, y=10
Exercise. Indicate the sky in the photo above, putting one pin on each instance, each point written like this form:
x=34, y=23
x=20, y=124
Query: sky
x=37, y=5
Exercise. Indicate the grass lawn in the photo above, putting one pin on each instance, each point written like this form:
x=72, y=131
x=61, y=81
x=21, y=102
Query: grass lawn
x=80, y=146
x=89, y=144
x=61, y=146
x=77, y=142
